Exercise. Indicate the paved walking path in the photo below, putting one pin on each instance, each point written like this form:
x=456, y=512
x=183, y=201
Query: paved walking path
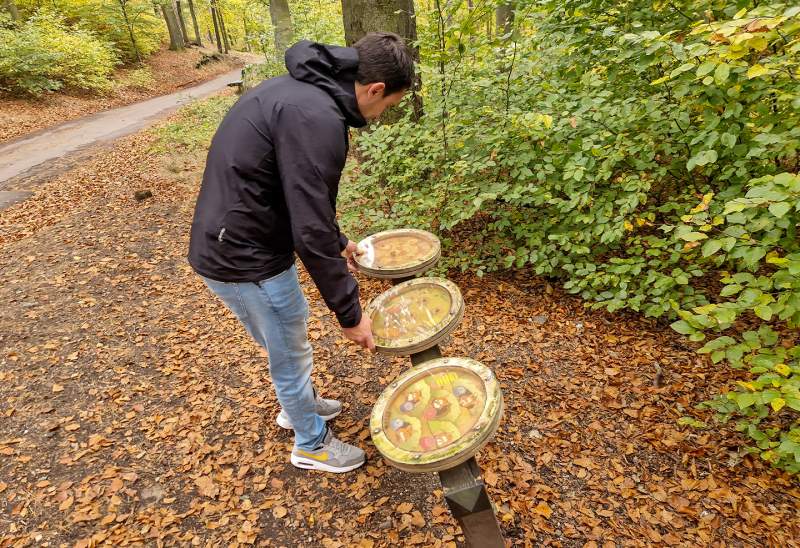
x=53, y=149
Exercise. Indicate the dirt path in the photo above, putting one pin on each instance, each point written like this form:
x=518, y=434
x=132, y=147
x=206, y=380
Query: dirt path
x=50, y=151
x=134, y=410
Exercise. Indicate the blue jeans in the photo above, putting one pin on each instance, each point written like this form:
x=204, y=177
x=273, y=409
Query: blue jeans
x=275, y=313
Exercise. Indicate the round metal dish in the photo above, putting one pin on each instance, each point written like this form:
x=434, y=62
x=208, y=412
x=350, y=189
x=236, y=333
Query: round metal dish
x=437, y=415
x=398, y=253
x=415, y=315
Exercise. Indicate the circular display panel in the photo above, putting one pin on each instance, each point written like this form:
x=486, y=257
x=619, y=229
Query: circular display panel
x=437, y=415
x=397, y=253
x=415, y=315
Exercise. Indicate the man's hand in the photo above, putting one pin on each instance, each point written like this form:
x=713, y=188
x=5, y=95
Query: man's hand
x=349, y=253
x=361, y=334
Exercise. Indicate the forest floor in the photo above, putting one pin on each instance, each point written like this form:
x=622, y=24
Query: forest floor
x=169, y=71
x=134, y=408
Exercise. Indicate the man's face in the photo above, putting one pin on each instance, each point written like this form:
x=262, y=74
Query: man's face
x=372, y=102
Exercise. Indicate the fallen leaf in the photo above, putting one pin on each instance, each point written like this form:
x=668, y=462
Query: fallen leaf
x=279, y=511
x=67, y=503
x=543, y=509
x=206, y=487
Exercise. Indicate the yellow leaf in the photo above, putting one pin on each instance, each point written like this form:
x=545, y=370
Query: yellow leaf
x=543, y=509
x=777, y=404
x=748, y=385
x=757, y=70
x=627, y=225
x=783, y=369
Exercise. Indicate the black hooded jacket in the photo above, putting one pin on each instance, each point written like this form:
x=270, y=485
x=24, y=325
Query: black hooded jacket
x=272, y=176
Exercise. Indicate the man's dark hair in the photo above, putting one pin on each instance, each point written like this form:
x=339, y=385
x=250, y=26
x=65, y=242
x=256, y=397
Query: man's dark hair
x=384, y=57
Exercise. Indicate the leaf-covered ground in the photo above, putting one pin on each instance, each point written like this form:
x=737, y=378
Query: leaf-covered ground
x=135, y=410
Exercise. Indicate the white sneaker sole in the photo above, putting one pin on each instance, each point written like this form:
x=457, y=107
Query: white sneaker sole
x=311, y=464
x=287, y=425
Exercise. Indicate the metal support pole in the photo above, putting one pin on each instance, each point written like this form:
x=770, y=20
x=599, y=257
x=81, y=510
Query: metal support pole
x=463, y=486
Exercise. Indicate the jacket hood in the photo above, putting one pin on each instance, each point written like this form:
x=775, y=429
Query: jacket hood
x=330, y=68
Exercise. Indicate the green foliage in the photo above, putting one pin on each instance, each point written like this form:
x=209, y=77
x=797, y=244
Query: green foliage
x=320, y=21
x=194, y=125
x=45, y=54
x=105, y=18
x=253, y=74
x=646, y=160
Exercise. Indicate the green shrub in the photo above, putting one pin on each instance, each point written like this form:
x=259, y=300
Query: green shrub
x=648, y=162
x=254, y=74
x=25, y=66
x=44, y=54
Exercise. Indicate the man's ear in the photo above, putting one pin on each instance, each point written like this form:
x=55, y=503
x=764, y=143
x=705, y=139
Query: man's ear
x=377, y=89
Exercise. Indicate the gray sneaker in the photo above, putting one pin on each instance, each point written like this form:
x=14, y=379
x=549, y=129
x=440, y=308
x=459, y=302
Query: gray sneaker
x=327, y=409
x=332, y=455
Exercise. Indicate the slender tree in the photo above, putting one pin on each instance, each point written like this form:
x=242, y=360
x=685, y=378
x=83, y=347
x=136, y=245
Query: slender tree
x=197, y=38
x=11, y=8
x=246, y=30
x=123, y=6
x=181, y=21
x=216, y=25
x=504, y=18
x=282, y=23
x=226, y=39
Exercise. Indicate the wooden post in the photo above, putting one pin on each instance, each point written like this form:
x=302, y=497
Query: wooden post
x=463, y=486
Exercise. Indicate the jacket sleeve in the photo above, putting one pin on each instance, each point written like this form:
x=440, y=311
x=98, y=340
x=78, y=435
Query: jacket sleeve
x=311, y=152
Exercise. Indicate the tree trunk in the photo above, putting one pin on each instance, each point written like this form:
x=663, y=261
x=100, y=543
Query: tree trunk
x=181, y=21
x=216, y=25
x=11, y=7
x=197, y=39
x=282, y=24
x=175, y=37
x=504, y=17
x=123, y=4
x=364, y=16
x=246, y=32
x=226, y=40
